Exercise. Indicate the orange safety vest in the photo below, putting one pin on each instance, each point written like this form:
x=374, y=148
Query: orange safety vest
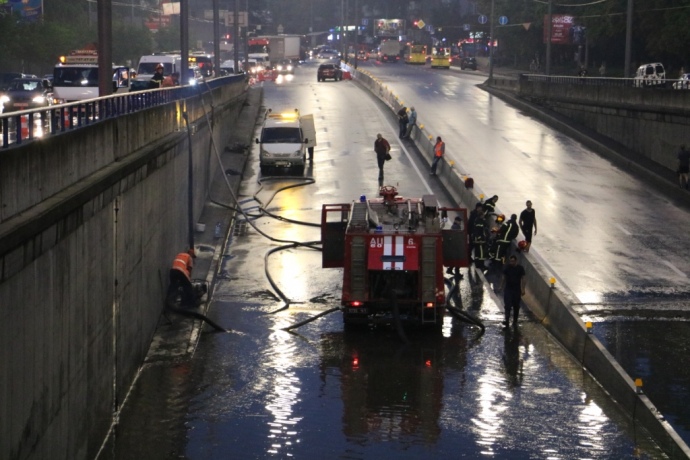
x=183, y=262
x=438, y=149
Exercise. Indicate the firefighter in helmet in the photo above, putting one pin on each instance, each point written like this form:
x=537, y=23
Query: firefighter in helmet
x=507, y=232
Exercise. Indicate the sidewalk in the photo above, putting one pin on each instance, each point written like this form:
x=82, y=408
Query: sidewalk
x=177, y=335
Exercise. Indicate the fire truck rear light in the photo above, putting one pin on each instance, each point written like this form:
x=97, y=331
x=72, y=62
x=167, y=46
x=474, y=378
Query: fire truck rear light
x=429, y=305
x=356, y=303
x=355, y=362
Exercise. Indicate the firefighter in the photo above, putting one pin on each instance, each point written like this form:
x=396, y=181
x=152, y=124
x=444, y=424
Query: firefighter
x=157, y=79
x=181, y=277
x=479, y=238
x=457, y=226
x=477, y=213
x=506, y=234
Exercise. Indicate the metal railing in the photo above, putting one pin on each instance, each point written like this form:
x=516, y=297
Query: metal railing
x=30, y=125
x=606, y=81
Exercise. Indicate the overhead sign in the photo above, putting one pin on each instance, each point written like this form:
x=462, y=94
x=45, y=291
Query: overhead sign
x=389, y=27
x=482, y=19
x=564, y=30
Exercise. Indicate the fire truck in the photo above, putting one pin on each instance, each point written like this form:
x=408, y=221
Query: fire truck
x=392, y=250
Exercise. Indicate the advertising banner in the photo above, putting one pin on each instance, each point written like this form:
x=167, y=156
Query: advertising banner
x=561, y=24
x=389, y=27
x=29, y=10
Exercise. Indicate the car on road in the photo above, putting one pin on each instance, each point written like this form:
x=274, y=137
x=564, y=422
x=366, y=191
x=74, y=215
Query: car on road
x=683, y=82
x=650, y=75
x=362, y=55
x=285, y=66
x=7, y=77
x=25, y=94
x=329, y=71
x=468, y=63
x=328, y=53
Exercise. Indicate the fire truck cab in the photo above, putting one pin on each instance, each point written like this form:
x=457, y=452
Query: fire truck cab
x=392, y=250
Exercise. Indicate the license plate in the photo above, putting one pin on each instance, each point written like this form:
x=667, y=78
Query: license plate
x=282, y=163
x=354, y=310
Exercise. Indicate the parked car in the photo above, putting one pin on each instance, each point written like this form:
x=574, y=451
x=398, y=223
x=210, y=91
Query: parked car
x=362, y=55
x=25, y=94
x=468, y=63
x=683, y=82
x=648, y=75
x=329, y=71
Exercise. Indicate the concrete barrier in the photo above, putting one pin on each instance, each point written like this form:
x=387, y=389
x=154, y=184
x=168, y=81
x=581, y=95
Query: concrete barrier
x=551, y=305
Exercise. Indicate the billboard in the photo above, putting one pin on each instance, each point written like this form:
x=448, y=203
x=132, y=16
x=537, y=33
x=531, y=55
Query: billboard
x=389, y=27
x=29, y=10
x=564, y=30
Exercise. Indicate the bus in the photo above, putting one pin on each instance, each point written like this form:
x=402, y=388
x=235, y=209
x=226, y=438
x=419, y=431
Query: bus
x=440, y=57
x=415, y=54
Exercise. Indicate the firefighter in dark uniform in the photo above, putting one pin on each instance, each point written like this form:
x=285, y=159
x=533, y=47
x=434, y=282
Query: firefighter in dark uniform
x=490, y=206
x=479, y=238
x=477, y=213
x=506, y=234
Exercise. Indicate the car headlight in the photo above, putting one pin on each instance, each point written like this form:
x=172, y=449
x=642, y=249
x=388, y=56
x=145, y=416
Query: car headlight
x=4, y=99
x=39, y=100
x=289, y=68
x=279, y=68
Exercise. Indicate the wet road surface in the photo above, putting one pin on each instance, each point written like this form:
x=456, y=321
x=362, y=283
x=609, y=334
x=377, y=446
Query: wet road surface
x=323, y=392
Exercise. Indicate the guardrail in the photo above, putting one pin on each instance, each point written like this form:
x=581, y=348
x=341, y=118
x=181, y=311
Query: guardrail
x=30, y=125
x=607, y=81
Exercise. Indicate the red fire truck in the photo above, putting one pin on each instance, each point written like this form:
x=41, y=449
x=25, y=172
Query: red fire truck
x=392, y=250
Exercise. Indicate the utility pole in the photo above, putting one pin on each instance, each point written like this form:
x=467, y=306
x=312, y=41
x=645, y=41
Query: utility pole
x=549, y=25
x=491, y=44
x=216, y=37
x=184, y=41
x=105, y=47
x=628, y=39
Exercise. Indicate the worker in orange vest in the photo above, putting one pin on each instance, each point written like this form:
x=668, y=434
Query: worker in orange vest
x=439, y=151
x=181, y=277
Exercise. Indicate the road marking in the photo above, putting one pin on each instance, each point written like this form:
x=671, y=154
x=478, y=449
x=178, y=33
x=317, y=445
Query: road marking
x=675, y=269
x=622, y=229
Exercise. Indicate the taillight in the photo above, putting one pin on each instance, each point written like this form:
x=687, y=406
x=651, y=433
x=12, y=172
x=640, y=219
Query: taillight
x=356, y=303
x=429, y=305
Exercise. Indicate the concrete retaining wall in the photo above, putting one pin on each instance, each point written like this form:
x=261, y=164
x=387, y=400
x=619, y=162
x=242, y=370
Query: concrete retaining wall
x=650, y=122
x=82, y=245
x=551, y=305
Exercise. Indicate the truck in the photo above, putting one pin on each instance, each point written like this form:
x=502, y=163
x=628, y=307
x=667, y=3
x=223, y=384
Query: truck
x=275, y=48
x=286, y=138
x=75, y=78
x=389, y=51
x=392, y=251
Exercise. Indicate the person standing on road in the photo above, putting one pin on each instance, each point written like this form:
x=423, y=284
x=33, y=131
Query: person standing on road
x=411, y=122
x=439, y=151
x=171, y=80
x=528, y=222
x=479, y=238
x=382, y=149
x=402, y=122
x=513, y=287
x=683, y=166
x=476, y=213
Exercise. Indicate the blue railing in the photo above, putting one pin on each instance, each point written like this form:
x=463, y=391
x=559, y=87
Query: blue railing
x=30, y=125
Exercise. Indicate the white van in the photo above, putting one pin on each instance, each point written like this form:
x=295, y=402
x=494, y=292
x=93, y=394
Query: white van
x=147, y=67
x=78, y=82
x=285, y=139
x=650, y=75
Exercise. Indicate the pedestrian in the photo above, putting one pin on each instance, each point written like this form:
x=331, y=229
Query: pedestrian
x=181, y=277
x=403, y=119
x=382, y=149
x=457, y=226
x=171, y=80
x=513, y=287
x=683, y=166
x=411, y=122
x=528, y=222
x=157, y=79
x=506, y=234
x=439, y=151
x=583, y=71
x=602, y=69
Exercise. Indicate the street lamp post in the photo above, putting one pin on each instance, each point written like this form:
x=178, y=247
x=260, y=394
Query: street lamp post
x=491, y=45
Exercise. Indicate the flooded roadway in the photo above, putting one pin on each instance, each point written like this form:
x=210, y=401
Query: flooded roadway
x=322, y=392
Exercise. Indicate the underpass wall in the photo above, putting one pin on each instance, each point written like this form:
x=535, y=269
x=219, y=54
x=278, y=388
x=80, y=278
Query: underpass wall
x=652, y=123
x=550, y=305
x=84, y=267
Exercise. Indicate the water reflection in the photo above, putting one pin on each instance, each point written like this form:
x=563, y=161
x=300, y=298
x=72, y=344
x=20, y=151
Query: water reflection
x=283, y=393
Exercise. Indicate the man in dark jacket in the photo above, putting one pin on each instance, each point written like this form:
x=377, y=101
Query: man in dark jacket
x=402, y=122
x=157, y=79
x=506, y=234
x=513, y=287
x=382, y=149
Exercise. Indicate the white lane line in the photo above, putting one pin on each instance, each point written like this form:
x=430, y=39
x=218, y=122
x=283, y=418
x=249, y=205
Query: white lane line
x=675, y=269
x=622, y=229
